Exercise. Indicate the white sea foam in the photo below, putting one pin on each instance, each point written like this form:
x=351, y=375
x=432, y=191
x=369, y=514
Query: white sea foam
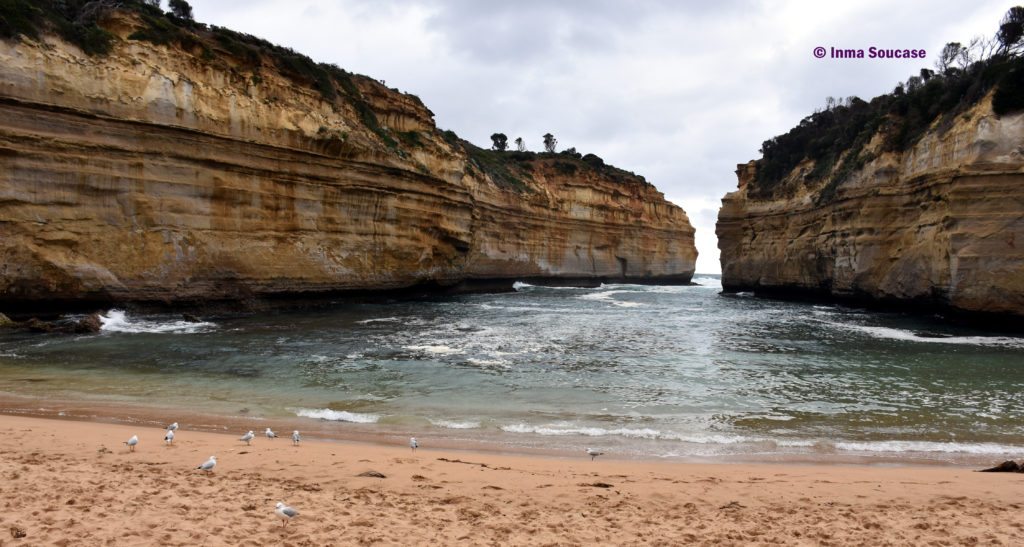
x=449, y=424
x=337, y=415
x=878, y=447
x=380, y=320
x=487, y=362
x=606, y=296
x=603, y=295
x=522, y=286
x=889, y=333
x=437, y=349
x=632, y=433
x=118, y=321
x=555, y=430
x=708, y=282
x=927, y=446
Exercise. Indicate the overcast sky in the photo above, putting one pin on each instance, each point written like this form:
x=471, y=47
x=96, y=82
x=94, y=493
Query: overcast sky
x=679, y=92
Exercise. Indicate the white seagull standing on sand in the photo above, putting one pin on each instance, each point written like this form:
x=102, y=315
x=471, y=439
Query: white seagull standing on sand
x=248, y=437
x=296, y=438
x=132, y=442
x=413, y=444
x=209, y=464
x=169, y=437
x=173, y=427
x=270, y=434
x=594, y=453
x=285, y=512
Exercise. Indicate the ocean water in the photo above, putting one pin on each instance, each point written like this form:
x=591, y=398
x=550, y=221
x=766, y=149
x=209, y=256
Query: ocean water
x=645, y=371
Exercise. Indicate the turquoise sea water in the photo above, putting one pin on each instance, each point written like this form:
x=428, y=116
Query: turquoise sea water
x=656, y=371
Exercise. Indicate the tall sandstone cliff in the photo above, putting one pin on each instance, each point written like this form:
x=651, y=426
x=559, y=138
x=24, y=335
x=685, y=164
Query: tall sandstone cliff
x=166, y=174
x=940, y=224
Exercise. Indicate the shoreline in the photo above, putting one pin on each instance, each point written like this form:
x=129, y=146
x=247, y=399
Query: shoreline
x=246, y=301
x=76, y=483
x=483, y=443
x=993, y=322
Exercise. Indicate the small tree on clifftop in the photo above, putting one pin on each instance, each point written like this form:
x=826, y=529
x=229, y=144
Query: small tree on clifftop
x=520, y=144
x=1011, y=30
x=499, y=142
x=550, y=142
x=950, y=54
x=181, y=9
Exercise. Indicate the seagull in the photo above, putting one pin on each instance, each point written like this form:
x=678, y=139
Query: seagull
x=413, y=444
x=594, y=453
x=296, y=438
x=132, y=442
x=270, y=434
x=173, y=427
x=285, y=512
x=169, y=437
x=248, y=437
x=209, y=464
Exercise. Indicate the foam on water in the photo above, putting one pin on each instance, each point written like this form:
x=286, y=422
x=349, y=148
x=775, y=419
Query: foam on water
x=487, y=362
x=450, y=424
x=119, y=321
x=560, y=430
x=437, y=349
x=889, y=333
x=523, y=286
x=557, y=430
x=708, y=282
x=927, y=446
x=337, y=415
x=603, y=295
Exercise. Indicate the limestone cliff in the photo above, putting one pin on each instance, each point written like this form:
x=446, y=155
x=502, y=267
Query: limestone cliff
x=201, y=169
x=940, y=223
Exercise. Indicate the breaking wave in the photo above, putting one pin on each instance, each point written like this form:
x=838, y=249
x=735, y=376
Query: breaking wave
x=118, y=321
x=337, y=415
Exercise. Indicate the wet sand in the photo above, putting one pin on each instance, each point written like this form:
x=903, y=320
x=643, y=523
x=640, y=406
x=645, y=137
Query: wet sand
x=75, y=483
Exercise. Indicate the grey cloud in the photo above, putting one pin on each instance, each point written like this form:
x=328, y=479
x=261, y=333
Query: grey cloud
x=679, y=92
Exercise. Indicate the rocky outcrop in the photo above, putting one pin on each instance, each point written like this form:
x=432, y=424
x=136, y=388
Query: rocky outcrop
x=940, y=224
x=156, y=173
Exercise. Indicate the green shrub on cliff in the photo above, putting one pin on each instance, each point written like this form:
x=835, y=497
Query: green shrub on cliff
x=77, y=21
x=72, y=20
x=1009, y=97
x=834, y=138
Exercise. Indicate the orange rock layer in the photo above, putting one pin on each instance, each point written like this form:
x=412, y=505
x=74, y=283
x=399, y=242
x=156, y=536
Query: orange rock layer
x=152, y=174
x=940, y=225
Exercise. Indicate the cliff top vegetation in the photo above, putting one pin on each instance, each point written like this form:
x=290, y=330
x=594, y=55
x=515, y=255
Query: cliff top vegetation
x=834, y=138
x=80, y=22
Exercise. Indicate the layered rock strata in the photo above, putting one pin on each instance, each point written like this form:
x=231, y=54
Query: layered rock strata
x=155, y=174
x=939, y=225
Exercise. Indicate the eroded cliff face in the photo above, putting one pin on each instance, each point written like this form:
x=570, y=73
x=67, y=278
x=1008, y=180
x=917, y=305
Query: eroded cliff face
x=941, y=224
x=156, y=174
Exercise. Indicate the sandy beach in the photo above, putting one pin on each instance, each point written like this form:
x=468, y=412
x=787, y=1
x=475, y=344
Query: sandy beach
x=76, y=483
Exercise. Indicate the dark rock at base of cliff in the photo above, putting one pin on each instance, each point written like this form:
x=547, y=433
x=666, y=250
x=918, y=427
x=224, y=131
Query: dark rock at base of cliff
x=89, y=324
x=191, y=318
x=1008, y=466
x=6, y=322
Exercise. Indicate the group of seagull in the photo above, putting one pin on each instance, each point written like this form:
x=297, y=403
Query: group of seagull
x=248, y=437
x=285, y=512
